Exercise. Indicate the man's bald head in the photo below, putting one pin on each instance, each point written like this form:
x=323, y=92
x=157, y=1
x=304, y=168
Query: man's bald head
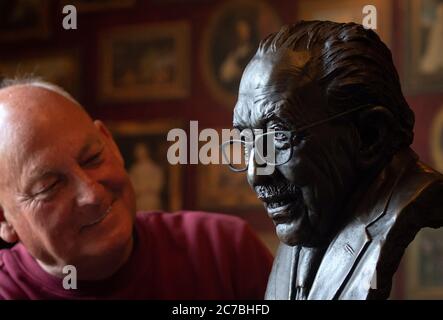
x=32, y=111
x=36, y=82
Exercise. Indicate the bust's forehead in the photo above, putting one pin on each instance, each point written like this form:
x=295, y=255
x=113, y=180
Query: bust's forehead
x=269, y=82
x=273, y=69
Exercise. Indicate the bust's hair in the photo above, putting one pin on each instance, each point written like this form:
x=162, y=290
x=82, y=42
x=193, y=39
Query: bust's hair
x=351, y=64
x=36, y=82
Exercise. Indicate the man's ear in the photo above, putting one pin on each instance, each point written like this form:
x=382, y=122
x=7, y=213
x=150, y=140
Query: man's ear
x=109, y=139
x=375, y=127
x=7, y=231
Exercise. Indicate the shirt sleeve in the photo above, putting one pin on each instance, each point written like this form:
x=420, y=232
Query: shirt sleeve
x=253, y=267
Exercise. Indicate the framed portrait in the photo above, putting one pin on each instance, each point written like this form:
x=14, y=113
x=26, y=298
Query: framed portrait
x=230, y=41
x=61, y=68
x=348, y=11
x=425, y=265
x=157, y=184
x=436, y=140
x=423, y=70
x=23, y=20
x=221, y=189
x=99, y=5
x=145, y=62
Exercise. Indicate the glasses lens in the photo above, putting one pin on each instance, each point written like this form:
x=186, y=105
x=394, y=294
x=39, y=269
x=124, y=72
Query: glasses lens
x=273, y=147
x=236, y=154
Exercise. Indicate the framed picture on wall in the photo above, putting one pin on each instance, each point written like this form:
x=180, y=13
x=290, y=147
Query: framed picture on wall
x=348, y=11
x=23, y=20
x=157, y=184
x=220, y=189
x=230, y=41
x=99, y=5
x=436, y=140
x=145, y=62
x=423, y=70
x=424, y=277
x=61, y=68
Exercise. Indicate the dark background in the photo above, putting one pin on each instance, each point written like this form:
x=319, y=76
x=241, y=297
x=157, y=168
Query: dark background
x=201, y=104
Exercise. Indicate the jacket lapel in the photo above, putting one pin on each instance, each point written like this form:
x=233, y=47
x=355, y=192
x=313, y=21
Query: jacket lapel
x=338, y=261
x=283, y=273
x=346, y=249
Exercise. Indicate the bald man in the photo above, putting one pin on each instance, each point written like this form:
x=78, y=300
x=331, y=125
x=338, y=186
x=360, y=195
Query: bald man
x=66, y=200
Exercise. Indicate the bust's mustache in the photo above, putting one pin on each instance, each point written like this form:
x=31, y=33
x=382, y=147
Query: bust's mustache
x=277, y=192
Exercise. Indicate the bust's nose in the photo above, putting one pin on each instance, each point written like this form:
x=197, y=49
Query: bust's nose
x=259, y=172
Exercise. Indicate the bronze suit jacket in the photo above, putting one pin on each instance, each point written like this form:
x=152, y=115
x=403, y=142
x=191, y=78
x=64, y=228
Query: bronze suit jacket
x=360, y=261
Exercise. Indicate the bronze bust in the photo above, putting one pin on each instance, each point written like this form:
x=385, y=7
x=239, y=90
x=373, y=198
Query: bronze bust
x=349, y=195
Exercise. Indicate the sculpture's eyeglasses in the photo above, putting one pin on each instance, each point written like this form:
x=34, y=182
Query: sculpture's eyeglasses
x=273, y=148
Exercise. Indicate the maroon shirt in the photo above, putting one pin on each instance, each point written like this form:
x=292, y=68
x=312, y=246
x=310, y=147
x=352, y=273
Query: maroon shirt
x=186, y=255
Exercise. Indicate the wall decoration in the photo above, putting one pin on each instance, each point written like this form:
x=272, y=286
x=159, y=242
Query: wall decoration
x=436, y=140
x=423, y=67
x=424, y=277
x=157, y=184
x=23, y=20
x=221, y=189
x=145, y=62
x=99, y=5
x=61, y=68
x=231, y=40
x=348, y=11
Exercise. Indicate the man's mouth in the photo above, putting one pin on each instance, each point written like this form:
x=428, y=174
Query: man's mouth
x=100, y=218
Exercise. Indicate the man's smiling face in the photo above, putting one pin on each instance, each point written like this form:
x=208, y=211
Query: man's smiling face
x=304, y=196
x=64, y=189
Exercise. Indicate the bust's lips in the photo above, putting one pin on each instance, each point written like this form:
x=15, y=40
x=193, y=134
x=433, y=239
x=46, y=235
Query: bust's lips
x=279, y=207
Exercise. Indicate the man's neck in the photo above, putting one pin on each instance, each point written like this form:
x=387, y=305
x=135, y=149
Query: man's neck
x=94, y=269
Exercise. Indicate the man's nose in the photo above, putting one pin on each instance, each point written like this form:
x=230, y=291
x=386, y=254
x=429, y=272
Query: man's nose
x=90, y=192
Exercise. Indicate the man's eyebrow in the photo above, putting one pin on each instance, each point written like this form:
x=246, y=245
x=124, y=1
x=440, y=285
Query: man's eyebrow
x=89, y=143
x=37, y=175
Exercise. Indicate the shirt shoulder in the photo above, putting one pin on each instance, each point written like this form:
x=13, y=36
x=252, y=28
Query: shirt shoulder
x=9, y=275
x=219, y=248
x=193, y=224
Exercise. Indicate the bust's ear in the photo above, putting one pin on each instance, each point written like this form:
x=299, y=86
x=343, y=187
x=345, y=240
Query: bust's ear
x=7, y=231
x=375, y=127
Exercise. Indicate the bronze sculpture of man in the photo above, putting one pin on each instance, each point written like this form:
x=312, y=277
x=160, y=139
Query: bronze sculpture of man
x=347, y=194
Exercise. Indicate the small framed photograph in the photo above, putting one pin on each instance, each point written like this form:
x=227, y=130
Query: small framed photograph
x=436, y=140
x=145, y=62
x=423, y=72
x=61, y=68
x=23, y=20
x=99, y=5
x=348, y=11
x=231, y=40
x=221, y=189
x=157, y=184
x=424, y=277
